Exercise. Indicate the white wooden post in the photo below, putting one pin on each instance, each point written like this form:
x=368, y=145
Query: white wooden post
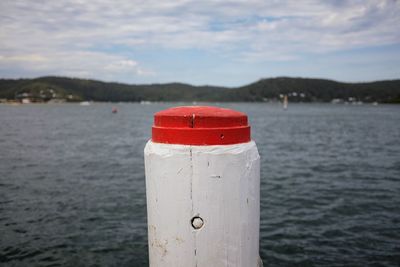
x=203, y=189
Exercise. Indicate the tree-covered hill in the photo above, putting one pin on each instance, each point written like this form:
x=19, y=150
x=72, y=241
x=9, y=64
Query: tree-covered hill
x=303, y=89
x=297, y=89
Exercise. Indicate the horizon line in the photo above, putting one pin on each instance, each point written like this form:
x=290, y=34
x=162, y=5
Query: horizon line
x=201, y=85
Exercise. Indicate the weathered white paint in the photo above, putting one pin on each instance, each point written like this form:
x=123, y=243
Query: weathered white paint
x=221, y=185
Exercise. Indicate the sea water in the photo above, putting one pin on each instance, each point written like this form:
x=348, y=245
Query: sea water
x=72, y=188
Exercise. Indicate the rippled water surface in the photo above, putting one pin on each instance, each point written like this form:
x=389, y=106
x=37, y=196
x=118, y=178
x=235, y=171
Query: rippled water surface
x=72, y=189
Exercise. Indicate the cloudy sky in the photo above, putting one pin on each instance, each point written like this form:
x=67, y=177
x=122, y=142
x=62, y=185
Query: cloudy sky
x=230, y=42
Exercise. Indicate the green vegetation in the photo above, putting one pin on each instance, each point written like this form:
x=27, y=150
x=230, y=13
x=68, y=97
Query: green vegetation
x=298, y=90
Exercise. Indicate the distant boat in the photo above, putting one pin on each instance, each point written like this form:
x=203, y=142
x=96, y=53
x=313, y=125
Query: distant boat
x=375, y=103
x=285, y=102
x=114, y=110
x=85, y=103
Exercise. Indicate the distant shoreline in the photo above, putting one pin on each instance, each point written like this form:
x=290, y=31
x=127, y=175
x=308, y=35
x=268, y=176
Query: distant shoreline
x=61, y=89
x=200, y=103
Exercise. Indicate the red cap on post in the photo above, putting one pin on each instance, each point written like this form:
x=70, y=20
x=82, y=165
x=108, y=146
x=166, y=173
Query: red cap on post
x=200, y=125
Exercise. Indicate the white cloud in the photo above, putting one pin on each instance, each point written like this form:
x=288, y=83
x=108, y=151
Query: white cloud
x=76, y=64
x=80, y=36
x=34, y=58
x=121, y=65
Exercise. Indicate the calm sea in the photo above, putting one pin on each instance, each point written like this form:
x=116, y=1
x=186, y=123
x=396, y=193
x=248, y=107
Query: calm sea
x=72, y=188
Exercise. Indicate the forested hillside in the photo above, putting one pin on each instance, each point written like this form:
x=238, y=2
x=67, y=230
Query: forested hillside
x=272, y=89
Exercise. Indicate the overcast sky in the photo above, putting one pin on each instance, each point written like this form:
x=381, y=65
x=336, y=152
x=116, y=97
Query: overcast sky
x=226, y=42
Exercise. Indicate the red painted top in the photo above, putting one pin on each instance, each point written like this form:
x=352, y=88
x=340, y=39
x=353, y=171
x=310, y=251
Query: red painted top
x=200, y=125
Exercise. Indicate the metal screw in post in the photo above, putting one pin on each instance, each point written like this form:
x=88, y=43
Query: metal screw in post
x=197, y=222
